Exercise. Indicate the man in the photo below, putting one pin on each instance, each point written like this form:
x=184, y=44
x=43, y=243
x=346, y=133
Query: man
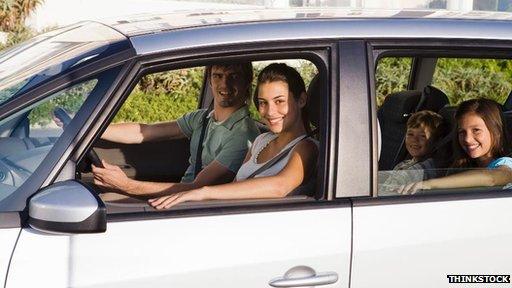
x=227, y=137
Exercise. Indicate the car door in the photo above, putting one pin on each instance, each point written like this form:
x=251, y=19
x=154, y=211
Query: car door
x=230, y=249
x=211, y=243
x=423, y=240
x=9, y=232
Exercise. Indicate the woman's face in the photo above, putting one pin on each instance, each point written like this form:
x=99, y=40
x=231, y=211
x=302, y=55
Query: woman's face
x=474, y=137
x=277, y=107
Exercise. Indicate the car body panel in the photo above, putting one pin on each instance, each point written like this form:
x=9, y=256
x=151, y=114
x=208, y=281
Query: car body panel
x=320, y=29
x=8, y=238
x=224, y=251
x=156, y=23
x=46, y=256
x=424, y=241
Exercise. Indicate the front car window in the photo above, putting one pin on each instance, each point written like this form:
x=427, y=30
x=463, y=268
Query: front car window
x=28, y=64
x=29, y=135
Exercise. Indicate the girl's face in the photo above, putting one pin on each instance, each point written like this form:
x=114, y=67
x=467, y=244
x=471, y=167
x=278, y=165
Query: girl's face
x=417, y=141
x=474, y=137
x=277, y=107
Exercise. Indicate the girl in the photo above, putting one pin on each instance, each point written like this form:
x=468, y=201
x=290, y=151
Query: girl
x=281, y=99
x=481, y=142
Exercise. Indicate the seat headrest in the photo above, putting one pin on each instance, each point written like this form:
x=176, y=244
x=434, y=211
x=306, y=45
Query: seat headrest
x=315, y=91
x=434, y=99
x=507, y=106
x=448, y=114
x=400, y=105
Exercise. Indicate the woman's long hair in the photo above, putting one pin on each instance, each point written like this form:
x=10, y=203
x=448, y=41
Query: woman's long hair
x=282, y=72
x=492, y=114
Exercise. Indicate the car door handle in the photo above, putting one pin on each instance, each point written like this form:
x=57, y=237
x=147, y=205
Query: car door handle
x=300, y=276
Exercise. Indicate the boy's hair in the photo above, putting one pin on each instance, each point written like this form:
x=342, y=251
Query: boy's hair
x=428, y=119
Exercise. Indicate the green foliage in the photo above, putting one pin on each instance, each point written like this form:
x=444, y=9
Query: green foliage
x=392, y=75
x=70, y=99
x=163, y=96
x=460, y=79
x=168, y=95
x=13, y=14
x=464, y=79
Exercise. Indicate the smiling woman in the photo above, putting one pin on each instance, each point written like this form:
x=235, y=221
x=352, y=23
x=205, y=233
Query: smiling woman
x=482, y=142
x=280, y=97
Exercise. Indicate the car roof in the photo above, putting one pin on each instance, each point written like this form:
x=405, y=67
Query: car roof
x=171, y=32
x=154, y=23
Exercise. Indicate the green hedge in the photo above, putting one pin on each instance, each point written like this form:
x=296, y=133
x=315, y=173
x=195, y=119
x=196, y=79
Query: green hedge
x=460, y=79
x=162, y=96
x=168, y=95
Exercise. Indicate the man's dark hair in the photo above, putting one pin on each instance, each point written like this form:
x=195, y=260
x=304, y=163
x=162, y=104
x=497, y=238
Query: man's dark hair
x=246, y=69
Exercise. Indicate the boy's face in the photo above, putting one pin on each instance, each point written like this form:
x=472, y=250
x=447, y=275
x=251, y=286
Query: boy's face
x=417, y=141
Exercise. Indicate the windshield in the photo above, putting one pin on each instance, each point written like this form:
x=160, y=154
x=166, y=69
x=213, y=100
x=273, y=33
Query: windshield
x=50, y=54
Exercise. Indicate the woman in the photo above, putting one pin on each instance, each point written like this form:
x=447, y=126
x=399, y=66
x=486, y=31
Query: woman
x=481, y=142
x=281, y=99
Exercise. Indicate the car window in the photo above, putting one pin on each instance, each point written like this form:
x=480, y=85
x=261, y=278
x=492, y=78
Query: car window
x=438, y=138
x=28, y=135
x=391, y=76
x=32, y=62
x=165, y=97
x=465, y=78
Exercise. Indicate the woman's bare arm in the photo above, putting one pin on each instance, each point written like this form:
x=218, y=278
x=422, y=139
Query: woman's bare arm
x=300, y=164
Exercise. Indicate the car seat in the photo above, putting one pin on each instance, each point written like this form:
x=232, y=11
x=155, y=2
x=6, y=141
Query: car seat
x=507, y=106
x=316, y=90
x=432, y=99
x=392, y=116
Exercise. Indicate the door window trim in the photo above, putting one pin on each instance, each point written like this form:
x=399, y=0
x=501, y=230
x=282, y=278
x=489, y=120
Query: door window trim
x=435, y=48
x=321, y=53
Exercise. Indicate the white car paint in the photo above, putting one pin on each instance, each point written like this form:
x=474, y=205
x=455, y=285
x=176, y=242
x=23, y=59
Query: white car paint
x=425, y=242
x=243, y=250
x=7, y=241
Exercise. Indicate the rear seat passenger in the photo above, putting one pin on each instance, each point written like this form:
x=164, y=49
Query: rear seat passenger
x=393, y=120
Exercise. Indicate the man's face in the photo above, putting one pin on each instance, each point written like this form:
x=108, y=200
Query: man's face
x=228, y=85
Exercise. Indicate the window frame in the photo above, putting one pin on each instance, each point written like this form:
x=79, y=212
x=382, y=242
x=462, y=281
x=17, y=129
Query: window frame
x=433, y=48
x=17, y=201
x=321, y=53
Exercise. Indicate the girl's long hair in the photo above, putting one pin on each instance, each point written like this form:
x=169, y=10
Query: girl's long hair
x=492, y=114
x=282, y=72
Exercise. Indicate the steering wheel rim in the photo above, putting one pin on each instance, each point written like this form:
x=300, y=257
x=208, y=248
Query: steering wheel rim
x=64, y=117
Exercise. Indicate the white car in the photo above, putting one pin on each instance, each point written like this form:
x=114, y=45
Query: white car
x=55, y=231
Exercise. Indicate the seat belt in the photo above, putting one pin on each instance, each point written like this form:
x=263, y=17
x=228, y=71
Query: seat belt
x=276, y=158
x=199, y=155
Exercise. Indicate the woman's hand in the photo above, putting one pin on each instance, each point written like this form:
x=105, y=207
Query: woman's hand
x=412, y=188
x=167, y=202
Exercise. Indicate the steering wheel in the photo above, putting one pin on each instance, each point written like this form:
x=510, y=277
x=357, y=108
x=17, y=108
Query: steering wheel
x=64, y=117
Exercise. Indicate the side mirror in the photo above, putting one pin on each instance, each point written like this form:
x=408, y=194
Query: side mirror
x=67, y=207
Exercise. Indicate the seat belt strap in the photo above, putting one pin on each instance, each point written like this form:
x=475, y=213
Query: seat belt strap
x=276, y=158
x=199, y=155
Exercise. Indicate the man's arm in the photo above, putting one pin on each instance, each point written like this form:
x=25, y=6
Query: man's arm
x=135, y=133
x=112, y=177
